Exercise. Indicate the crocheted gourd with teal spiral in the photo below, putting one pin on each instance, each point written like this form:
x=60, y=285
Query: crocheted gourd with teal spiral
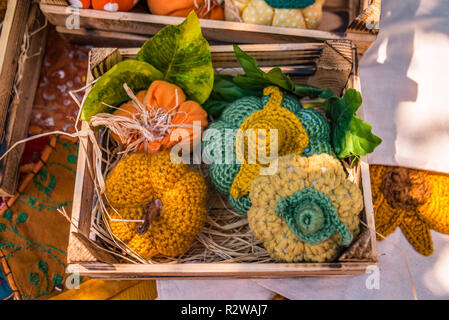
x=289, y=4
x=219, y=140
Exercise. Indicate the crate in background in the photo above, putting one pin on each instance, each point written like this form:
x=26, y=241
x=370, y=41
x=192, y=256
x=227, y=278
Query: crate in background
x=356, y=20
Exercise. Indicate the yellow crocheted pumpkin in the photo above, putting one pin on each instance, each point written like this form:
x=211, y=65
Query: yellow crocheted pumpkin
x=307, y=211
x=260, y=12
x=170, y=198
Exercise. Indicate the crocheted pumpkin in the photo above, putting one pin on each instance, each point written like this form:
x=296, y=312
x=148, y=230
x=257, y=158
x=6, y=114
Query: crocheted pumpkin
x=231, y=154
x=170, y=199
x=170, y=99
x=308, y=211
x=306, y=14
x=205, y=9
x=106, y=5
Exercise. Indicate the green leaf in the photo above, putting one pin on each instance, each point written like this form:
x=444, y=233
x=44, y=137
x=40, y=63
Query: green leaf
x=109, y=89
x=350, y=135
x=224, y=92
x=255, y=79
x=358, y=140
x=302, y=90
x=183, y=56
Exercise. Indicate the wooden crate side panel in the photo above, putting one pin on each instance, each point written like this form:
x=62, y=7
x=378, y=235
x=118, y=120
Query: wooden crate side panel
x=10, y=40
x=20, y=107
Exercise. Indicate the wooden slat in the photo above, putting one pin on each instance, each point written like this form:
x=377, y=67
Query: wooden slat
x=10, y=41
x=20, y=108
x=216, y=270
x=149, y=24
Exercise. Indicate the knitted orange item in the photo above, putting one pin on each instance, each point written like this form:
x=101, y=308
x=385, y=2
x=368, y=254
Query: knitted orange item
x=140, y=181
x=205, y=9
x=171, y=99
x=414, y=200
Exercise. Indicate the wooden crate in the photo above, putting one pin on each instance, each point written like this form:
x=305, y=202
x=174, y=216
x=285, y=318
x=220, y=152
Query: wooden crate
x=342, y=19
x=22, y=45
x=332, y=64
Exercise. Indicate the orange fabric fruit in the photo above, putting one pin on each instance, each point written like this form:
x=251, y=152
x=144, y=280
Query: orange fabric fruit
x=114, y=5
x=82, y=4
x=171, y=100
x=181, y=8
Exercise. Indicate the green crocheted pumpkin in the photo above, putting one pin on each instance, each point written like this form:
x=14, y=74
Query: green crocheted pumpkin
x=219, y=140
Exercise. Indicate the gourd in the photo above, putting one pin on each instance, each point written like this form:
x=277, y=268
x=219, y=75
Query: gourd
x=168, y=199
x=205, y=9
x=301, y=131
x=169, y=111
x=307, y=211
x=107, y=5
x=306, y=14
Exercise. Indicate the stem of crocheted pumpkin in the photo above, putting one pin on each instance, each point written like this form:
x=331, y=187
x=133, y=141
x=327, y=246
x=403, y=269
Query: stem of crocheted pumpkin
x=153, y=211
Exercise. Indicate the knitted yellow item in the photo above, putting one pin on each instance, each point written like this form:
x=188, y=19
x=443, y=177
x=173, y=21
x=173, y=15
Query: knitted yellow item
x=259, y=12
x=292, y=138
x=307, y=211
x=414, y=200
x=135, y=183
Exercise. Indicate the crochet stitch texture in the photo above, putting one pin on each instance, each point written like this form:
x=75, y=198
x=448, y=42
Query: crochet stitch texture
x=414, y=200
x=308, y=211
x=140, y=179
x=302, y=131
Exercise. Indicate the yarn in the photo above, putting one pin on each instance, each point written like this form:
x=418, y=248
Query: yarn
x=307, y=211
x=300, y=130
x=292, y=138
x=416, y=201
x=140, y=180
x=311, y=216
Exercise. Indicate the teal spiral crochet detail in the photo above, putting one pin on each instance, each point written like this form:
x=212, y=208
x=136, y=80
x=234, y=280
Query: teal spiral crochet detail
x=311, y=216
x=239, y=110
x=219, y=141
x=289, y=4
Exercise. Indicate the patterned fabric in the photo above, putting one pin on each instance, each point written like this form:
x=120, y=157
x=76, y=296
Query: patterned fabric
x=280, y=14
x=290, y=4
x=5, y=290
x=33, y=235
x=111, y=290
x=307, y=211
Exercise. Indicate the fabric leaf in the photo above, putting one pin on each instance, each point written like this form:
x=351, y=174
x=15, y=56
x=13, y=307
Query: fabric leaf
x=351, y=136
x=183, y=55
